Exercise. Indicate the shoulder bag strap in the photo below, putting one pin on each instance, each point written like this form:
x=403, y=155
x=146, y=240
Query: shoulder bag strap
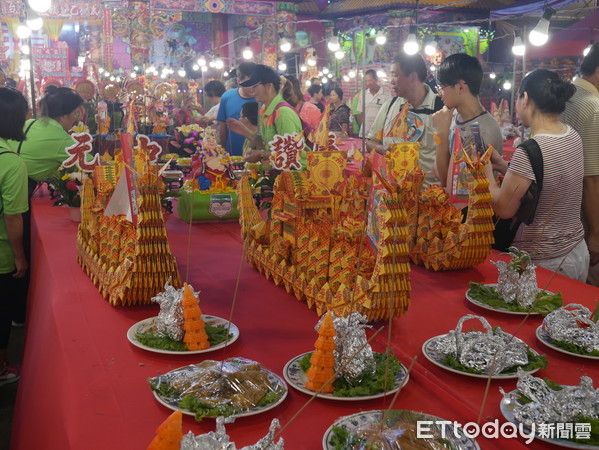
x=26, y=131
x=532, y=149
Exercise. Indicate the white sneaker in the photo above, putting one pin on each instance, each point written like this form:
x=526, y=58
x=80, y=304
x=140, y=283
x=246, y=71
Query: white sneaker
x=9, y=375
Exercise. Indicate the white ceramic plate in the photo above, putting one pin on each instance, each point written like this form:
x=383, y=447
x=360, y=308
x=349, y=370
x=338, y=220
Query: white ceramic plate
x=145, y=324
x=507, y=409
x=365, y=418
x=501, y=310
x=545, y=339
x=431, y=358
x=275, y=381
x=296, y=378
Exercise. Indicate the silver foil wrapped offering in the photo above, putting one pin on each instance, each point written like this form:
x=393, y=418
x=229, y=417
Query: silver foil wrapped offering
x=573, y=324
x=490, y=352
x=549, y=406
x=350, y=336
x=219, y=440
x=169, y=322
x=516, y=287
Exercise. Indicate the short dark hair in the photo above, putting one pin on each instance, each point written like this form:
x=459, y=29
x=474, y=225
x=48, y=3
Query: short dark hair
x=59, y=101
x=591, y=61
x=314, y=89
x=13, y=111
x=338, y=91
x=249, y=110
x=372, y=73
x=214, y=88
x=412, y=63
x=314, y=79
x=246, y=69
x=547, y=90
x=461, y=67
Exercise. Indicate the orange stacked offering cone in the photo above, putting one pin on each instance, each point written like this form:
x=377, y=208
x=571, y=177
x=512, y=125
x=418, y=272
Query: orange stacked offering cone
x=195, y=337
x=322, y=361
x=169, y=433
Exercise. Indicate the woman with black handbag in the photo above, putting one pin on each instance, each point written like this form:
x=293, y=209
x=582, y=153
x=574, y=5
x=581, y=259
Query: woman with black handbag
x=542, y=188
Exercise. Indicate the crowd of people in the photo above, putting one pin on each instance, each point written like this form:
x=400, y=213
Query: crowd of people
x=563, y=119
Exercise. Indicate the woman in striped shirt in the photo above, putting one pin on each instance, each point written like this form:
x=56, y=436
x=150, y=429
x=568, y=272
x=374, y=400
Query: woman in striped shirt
x=555, y=239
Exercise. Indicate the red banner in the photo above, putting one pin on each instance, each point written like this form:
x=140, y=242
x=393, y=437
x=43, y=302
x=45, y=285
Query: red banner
x=51, y=63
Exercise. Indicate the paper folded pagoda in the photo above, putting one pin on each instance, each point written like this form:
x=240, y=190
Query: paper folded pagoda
x=121, y=242
x=315, y=243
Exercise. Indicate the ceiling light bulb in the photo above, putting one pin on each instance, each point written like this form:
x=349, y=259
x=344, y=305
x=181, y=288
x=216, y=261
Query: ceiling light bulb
x=133, y=75
x=411, y=45
x=433, y=68
x=40, y=5
x=345, y=78
x=325, y=70
x=201, y=61
x=381, y=39
x=247, y=52
x=334, y=44
x=352, y=74
x=225, y=74
x=507, y=85
x=285, y=45
x=25, y=49
x=303, y=68
x=195, y=67
x=25, y=64
x=35, y=24
x=219, y=63
x=339, y=54
x=181, y=72
x=282, y=66
x=163, y=75
x=540, y=34
x=23, y=31
x=492, y=75
x=518, y=48
x=324, y=80
x=431, y=48
x=381, y=74
x=204, y=68
x=308, y=83
x=112, y=78
x=311, y=61
x=329, y=75
x=211, y=64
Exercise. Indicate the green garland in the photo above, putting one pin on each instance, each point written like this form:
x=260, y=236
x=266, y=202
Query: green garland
x=369, y=384
x=545, y=302
x=216, y=335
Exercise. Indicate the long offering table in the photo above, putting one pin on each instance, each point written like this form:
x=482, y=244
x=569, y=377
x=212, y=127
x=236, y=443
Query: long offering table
x=83, y=385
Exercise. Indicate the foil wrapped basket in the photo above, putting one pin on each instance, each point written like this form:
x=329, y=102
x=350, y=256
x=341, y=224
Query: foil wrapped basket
x=537, y=401
x=517, y=287
x=487, y=353
x=573, y=324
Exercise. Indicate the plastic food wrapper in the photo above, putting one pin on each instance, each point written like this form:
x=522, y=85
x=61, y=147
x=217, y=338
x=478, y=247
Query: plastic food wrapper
x=400, y=432
x=169, y=322
x=516, y=287
x=573, y=324
x=477, y=349
x=549, y=406
x=219, y=440
x=237, y=383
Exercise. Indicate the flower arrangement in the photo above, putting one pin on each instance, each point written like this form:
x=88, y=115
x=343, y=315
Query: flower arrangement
x=188, y=138
x=65, y=187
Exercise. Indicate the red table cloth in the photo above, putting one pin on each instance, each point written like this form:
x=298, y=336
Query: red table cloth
x=84, y=386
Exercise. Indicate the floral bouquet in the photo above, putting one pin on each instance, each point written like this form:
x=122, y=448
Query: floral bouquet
x=65, y=187
x=188, y=139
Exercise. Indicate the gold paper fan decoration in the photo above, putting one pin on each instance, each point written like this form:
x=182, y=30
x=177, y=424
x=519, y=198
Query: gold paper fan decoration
x=85, y=89
x=110, y=91
x=163, y=91
x=135, y=89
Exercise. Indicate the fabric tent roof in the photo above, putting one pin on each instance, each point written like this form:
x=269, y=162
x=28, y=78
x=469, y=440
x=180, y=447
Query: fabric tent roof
x=569, y=41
